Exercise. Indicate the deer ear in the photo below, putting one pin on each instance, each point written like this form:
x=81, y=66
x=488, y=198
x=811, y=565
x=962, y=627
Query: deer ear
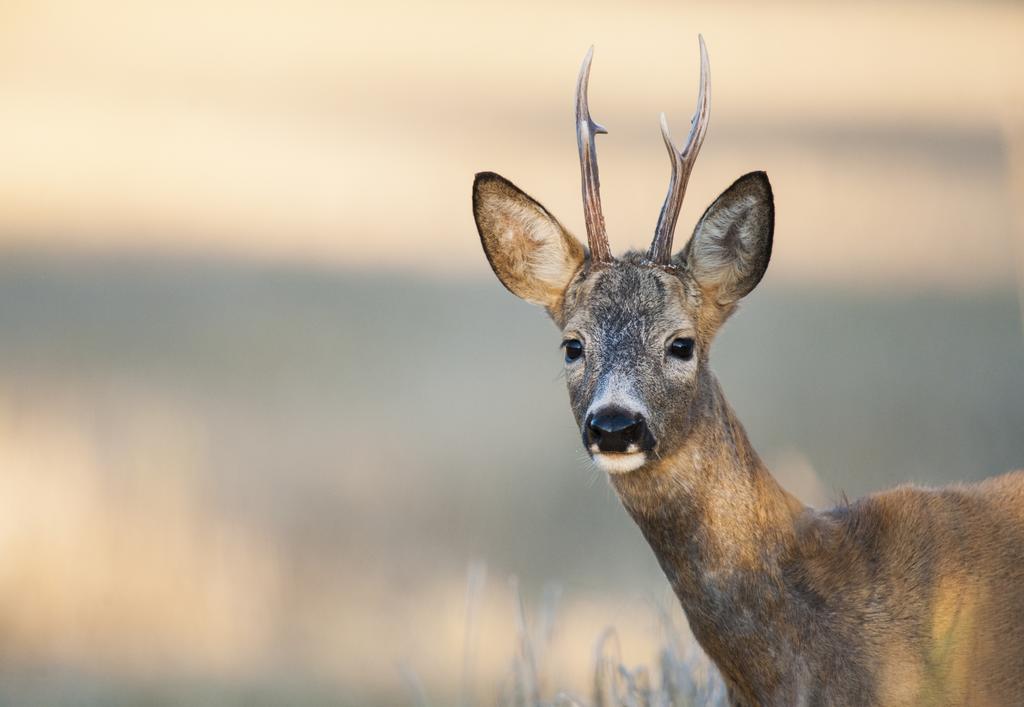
x=529, y=251
x=730, y=248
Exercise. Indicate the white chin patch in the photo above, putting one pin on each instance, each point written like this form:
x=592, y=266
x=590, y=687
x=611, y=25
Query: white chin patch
x=620, y=463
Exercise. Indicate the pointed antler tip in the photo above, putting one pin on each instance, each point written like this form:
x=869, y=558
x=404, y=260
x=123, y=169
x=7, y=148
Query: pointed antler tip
x=667, y=137
x=587, y=59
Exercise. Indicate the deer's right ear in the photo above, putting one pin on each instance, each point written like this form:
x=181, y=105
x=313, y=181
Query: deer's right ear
x=529, y=251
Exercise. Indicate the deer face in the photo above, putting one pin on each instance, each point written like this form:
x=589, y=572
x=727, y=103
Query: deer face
x=636, y=330
x=632, y=353
x=631, y=345
x=635, y=334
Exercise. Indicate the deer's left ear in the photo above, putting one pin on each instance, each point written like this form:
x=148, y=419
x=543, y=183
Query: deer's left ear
x=730, y=248
x=529, y=251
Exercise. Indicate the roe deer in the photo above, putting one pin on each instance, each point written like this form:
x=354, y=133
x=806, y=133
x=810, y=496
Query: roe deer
x=911, y=596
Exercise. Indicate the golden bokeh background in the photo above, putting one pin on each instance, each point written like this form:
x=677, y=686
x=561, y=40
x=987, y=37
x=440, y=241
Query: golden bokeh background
x=263, y=406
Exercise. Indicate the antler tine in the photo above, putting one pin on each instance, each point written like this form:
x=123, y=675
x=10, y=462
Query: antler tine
x=586, y=129
x=682, y=164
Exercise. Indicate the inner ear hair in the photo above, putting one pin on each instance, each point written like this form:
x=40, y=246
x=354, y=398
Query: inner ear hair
x=730, y=248
x=532, y=254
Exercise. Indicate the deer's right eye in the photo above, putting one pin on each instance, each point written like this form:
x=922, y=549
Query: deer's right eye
x=573, y=349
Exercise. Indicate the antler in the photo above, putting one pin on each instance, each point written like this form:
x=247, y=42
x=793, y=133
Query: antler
x=682, y=165
x=586, y=129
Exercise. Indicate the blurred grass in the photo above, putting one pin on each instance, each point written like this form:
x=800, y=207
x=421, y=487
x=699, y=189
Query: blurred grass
x=682, y=677
x=231, y=480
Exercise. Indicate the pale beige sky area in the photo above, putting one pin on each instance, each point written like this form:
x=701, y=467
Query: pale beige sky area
x=348, y=133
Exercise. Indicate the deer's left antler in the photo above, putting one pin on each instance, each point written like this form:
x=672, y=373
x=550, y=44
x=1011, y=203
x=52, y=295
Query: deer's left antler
x=682, y=164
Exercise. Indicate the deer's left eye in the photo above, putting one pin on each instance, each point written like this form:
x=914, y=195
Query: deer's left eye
x=573, y=349
x=682, y=348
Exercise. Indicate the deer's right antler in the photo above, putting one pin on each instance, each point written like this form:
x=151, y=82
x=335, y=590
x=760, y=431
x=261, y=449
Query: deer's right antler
x=586, y=129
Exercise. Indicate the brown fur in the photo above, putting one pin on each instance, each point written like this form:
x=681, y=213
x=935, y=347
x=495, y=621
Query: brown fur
x=907, y=597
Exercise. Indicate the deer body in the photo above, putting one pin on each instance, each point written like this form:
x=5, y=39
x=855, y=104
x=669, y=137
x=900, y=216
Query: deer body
x=908, y=597
x=912, y=596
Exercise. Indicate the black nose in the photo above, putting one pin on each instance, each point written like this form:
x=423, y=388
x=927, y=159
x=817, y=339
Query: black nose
x=615, y=430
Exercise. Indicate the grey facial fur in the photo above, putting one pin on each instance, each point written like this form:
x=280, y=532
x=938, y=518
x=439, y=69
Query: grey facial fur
x=627, y=314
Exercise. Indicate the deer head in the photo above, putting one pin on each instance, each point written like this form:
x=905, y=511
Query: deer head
x=636, y=330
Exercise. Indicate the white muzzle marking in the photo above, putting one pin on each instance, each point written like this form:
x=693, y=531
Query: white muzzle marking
x=618, y=463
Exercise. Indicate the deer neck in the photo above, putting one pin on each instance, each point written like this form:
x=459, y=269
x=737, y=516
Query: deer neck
x=722, y=529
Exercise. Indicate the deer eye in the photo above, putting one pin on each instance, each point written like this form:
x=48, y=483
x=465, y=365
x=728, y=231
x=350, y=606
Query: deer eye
x=682, y=348
x=573, y=349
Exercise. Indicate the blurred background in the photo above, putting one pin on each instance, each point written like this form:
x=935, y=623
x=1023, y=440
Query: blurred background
x=264, y=408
